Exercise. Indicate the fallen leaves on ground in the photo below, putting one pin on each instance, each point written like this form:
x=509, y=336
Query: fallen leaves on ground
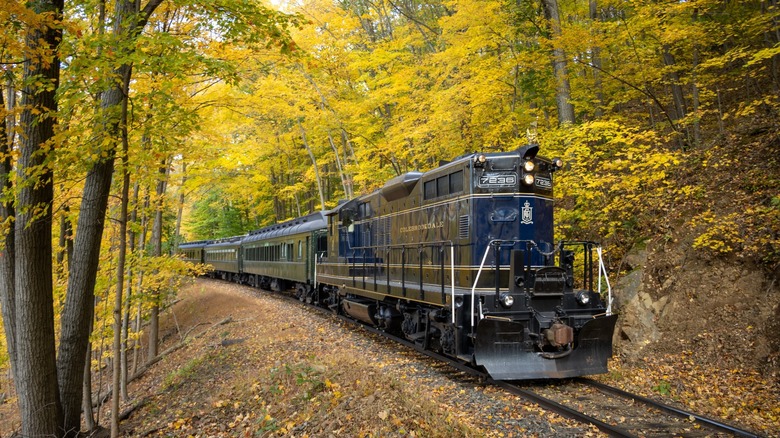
x=739, y=396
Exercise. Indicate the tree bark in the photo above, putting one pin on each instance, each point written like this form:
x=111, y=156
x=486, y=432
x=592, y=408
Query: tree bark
x=772, y=37
x=560, y=69
x=140, y=281
x=10, y=119
x=695, y=98
x=78, y=310
x=678, y=98
x=36, y=372
x=126, y=318
x=7, y=291
x=345, y=179
x=65, y=251
x=89, y=415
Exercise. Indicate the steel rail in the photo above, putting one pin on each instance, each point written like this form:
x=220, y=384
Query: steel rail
x=562, y=410
x=709, y=422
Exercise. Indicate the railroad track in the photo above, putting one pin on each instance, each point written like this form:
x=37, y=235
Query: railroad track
x=707, y=422
x=620, y=413
x=613, y=411
x=617, y=412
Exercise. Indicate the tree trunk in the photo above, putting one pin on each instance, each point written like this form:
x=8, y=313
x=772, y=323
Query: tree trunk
x=677, y=91
x=36, y=372
x=139, y=283
x=120, y=279
x=314, y=163
x=179, y=209
x=89, y=415
x=10, y=119
x=126, y=319
x=137, y=326
x=277, y=202
x=345, y=179
x=349, y=151
x=678, y=98
x=65, y=252
x=7, y=291
x=560, y=69
x=102, y=347
x=695, y=98
x=78, y=309
x=154, y=318
x=772, y=37
x=596, y=62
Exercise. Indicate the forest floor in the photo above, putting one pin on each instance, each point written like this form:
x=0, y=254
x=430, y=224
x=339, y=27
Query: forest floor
x=252, y=364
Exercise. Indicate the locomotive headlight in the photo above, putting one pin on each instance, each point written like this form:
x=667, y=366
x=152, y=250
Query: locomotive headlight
x=583, y=297
x=557, y=162
x=528, y=179
x=507, y=300
x=528, y=166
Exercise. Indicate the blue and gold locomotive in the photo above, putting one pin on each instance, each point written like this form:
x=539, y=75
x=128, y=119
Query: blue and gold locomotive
x=460, y=259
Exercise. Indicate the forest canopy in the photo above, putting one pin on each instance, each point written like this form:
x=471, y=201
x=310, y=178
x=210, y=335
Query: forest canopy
x=638, y=97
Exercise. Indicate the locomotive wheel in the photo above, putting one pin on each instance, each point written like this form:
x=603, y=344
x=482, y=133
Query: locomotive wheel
x=334, y=301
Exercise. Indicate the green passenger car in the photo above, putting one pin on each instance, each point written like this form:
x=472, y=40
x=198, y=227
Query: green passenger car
x=282, y=256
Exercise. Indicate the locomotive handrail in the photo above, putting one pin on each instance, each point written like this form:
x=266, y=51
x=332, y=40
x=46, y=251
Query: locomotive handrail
x=497, y=242
x=364, y=268
x=452, y=279
x=589, y=246
x=603, y=268
x=403, y=246
x=587, y=267
x=474, y=287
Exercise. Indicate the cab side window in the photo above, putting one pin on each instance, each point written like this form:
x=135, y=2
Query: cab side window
x=443, y=185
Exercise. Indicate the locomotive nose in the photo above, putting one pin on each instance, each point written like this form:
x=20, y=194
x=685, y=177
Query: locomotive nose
x=501, y=350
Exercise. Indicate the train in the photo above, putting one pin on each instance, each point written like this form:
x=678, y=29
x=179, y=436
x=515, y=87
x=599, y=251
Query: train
x=459, y=259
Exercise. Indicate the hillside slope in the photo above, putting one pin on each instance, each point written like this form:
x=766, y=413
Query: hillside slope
x=705, y=288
